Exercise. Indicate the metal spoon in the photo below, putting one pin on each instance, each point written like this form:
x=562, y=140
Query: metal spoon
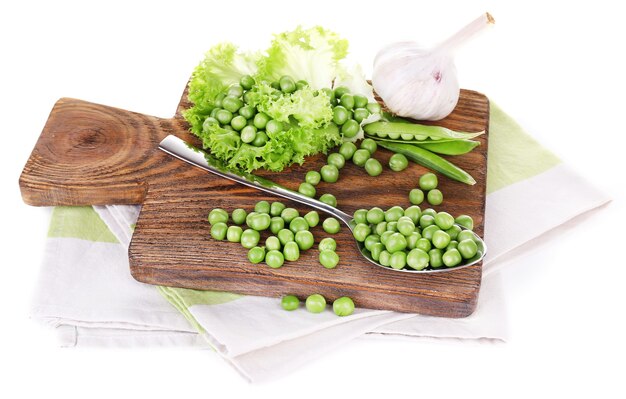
x=194, y=156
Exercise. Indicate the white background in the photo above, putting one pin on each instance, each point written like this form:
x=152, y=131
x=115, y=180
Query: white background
x=558, y=69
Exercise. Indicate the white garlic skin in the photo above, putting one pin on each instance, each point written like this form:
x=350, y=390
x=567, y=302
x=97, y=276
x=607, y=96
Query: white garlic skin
x=416, y=83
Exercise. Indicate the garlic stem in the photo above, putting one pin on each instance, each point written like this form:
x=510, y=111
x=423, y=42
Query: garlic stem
x=456, y=40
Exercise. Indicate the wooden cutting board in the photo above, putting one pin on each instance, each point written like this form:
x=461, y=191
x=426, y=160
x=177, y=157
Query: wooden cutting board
x=90, y=154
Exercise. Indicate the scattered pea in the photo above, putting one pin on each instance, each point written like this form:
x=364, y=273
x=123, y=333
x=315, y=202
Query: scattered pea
x=329, y=259
x=298, y=224
x=272, y=243
x=434, y=197
x=375, y=215
x=304, y=239
x=313, y=177
x=274, y=258
x=331, y=225
x=373, y=167
x=327, y=243
x=360, y=157
x=218, y=215
x=307, y=189
x=239, y=216
x=312, y=218
x=336, y=159
x=347, y=149
x=315, y=303
x=289, y=214
x=291, y=251
x=360, y=216
x=416, y=196
x=465, y=221
x=328, y=199
x=256, y=255
x=370, y=145
x=276, y=224
x=276, y=208
x=233, y=234
x=262, y=207
x=218, y=230
x=428, y=181
x=290, y=302
x=250, y=238
x=285, y=236
x=330, y=173
x=398, y=162
x=343, y=306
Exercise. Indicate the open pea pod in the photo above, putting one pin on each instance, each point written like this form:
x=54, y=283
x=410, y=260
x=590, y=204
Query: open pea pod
x=451, y=147
x=415, y=131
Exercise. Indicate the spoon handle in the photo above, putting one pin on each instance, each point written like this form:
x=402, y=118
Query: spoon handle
x=194, y=156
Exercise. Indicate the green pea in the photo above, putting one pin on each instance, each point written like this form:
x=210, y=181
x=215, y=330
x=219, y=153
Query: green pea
x=384, y=258
x=423, y=244
x=262, y=207
x=360, y=101
x=414, y=213
x=429, y=231
x=347, y=149
x=290, y=302
x=398, y=260
x=453, y=244
x=209, y=123
x=375, y=215
x=376, y=250
x=340, y=115
x=247, y=112
x=276, y=208
x=336, y=159
x=396, y=242
x=429, y=211
x=381, y=227
x=238, y=123
x=416, y=196
x=329, y=259
x=360, y=114
x=398, y=162
x=374, y=108
x=330, y=173
x=307, y=189
x=218, y=215
x=274, y=258
x=312, y=218
x=350, y=128
x=465, y=221
x=426, y=220
x=260, y=139
x=453, y=232
x=329, y=199
x=360, y=231
x=392, y=226
x=340, y=91
x=298, y=223
x=287, y=85
x=275, y=85
x=250, y=238
x=405, y=226
x=246, y=82
x=343, y=306
x=347, y=100
x=256, y=255
x=218, y=230
x=444, y=220
x=315, y=303
x=327, y=243
x=428, y=181
x=360, y=157
x=301, y=84
x=232, y=103
x=272, y=243
x=393, y=214
x=331, y=226
x=313, y=177
x=360, y=216
x=465, y=235
x=289, y=214
x=233, y=234
x=452, y=257
x=417, y=259
x=249, y=98
x=250, y=216
x=436, y=257
x=330, y=93
x=274, y=127
x=411, y=239
x=260, y=221
x=260, y=120
x=248, y=134
x=235, y=90
x=467, y=248
x=434, y=197
x=370, y=145
x=440, y=239
x=285, y=236
x=291, y=251
x=373, y=167
x=276, y=224
x=370, y=240
x=218, y=99
x=304, y=239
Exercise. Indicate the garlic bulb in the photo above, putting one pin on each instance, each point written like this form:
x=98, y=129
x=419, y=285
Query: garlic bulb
x=422, y=83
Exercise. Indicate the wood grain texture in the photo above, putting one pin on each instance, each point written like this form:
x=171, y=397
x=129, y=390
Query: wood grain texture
x=93, y=154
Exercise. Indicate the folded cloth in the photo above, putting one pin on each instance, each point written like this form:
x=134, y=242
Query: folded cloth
x=87, y=293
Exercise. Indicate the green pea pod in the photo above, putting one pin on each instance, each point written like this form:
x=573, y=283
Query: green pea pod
x=426, y=141
x=430, y=160
x=456, y=147
x=414, y=131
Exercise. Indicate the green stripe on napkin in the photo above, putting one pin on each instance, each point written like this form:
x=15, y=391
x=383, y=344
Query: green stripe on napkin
x=79, y=222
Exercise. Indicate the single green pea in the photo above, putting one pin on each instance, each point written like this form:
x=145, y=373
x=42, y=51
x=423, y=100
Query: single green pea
x=360, y=231
x=343, y=306
x=340, y=115
x=256, y=255
x=331, y=226
x=304, y=239
x=291, y=251
x=347, y=149
x=429, y=231
x=329, y=259
x=398, y=260
x=370, y=145
x=381, y=227
x=429, y=211
x=416, y=196
x=360, y=157
x=328, y=199
x=262, y=207
x=259, y=221
x=232, y=103
x=248, y=134
x=396, y=242
x=398, y=162
x=276, y=208
x=384, y=258
x=392, y=226
x=444, y=220
x=238, y=123
x=374, y=108
x=423, y=244
x=370, y=240
x=394, y=213
x=313, y=177
x=307, y=189
x=289, y=214
x=350, y=128
x=276, y=224
x=274, y=258
x=426, y=220
x=336, y=159
x=417, y=259
x=360, y=216
x=275, y=85
x=375, y=215
x=452, y=257
x=312, y=218
x=377, y=248
x=290, y=302
x=411, y=240
x=272, y=243
x=465, y=221
x=285, y=236
x=330, y=93
x=440, y=239
x=373, y=167
x=260, y=139
x=209, y=122
x=246, y=82
x=465, y=235
x=301, y=84
x=436, y=257
x=414, y=213
x=327, y=243
x=218, y=99
x=340, y=91
x=250, y=217
x=287, y=85
x=247, y=112
x=298, y=224
x=360, y=114
x=274, y=127
x=233, y=234
x=235, y=90
x=261, y=119
x=218, y=215
x=434, y=197
x=453, y=244
x=330, y=173
x=360, y=101
x=428, y=181
x=249, y=97
x=315, y=303
x=347, y=100
x=218, y=230
x=405, y=226
x=454, y=231
x=250, y=238
x=467, y=248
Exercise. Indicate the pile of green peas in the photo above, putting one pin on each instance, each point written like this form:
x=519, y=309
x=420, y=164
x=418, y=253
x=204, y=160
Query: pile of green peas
x=349, y=110
x=316, y=303
x=415, y=239
x=427, y=183
x=290, y=233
